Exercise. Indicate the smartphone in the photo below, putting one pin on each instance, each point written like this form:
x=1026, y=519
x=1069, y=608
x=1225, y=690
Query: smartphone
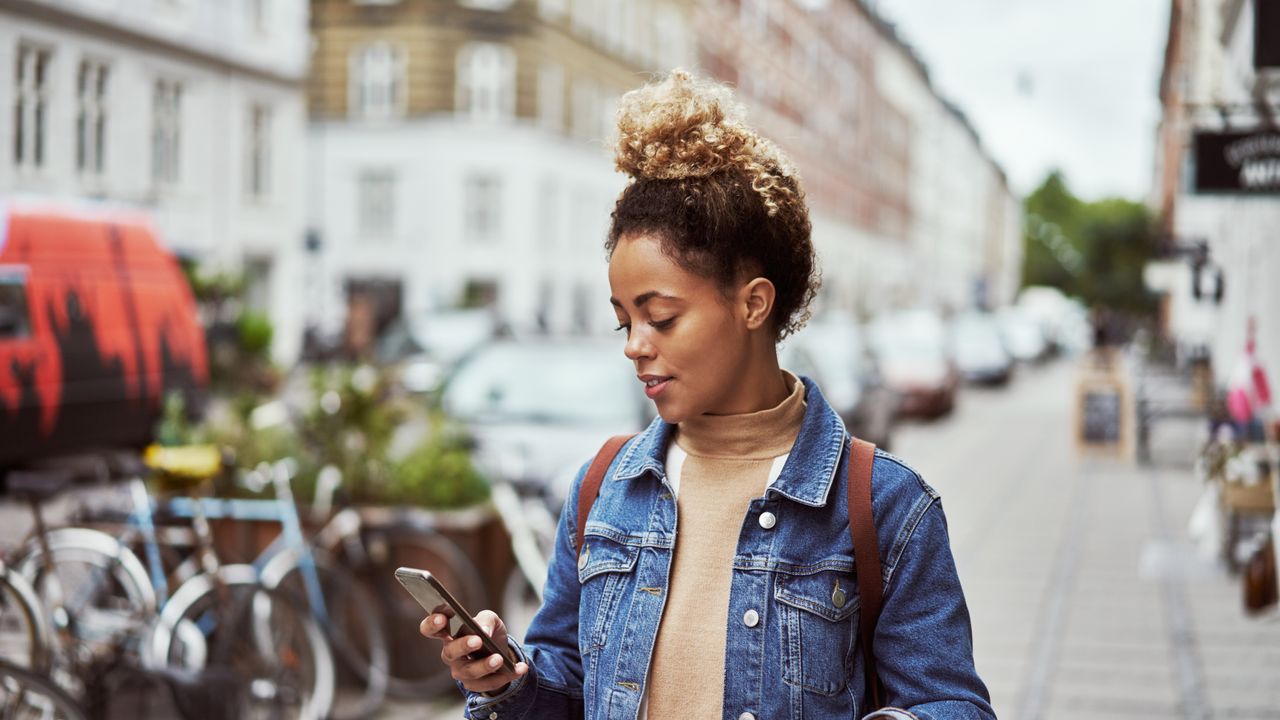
x=434, y=598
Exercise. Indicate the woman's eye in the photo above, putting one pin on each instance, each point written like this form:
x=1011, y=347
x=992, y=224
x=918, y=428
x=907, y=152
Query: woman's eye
x=662, y=324
x=623, y=326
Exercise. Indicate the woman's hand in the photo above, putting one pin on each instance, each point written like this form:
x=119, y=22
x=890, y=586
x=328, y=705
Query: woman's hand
x=486, y=675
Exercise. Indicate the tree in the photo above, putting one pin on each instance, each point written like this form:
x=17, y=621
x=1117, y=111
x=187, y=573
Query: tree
x=1093, y=250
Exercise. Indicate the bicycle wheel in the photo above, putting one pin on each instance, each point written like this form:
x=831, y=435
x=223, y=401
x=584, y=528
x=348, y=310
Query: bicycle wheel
x=358, y=637
x=25, y=695
x=97, y=591
x=260, y=635
x=415, y=672
x=24, y=631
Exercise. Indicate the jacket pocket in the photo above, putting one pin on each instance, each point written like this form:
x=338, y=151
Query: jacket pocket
x=819, y=617
x=605, y=566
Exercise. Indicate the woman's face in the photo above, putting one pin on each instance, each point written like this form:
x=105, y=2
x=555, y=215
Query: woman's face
x=688, y=341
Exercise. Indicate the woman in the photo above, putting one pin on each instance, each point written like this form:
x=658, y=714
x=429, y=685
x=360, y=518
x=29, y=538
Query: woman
x=716, y=577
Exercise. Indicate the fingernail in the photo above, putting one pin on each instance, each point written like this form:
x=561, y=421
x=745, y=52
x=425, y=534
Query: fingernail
x=438, y=619
x=473, y=642
x=495, y=661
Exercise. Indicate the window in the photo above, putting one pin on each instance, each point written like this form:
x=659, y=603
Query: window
x=31, y=107
x=481, y=207
x=165, y=131
x=377, y=89
x=258, y=166
x=259, y=15
x=15, y=321
x=585, y=109
x=376, y=194
x=552, y=9
x=91, y=117
x=486, y=81
x=487, y=4
x=551, y=97
x=548, y=213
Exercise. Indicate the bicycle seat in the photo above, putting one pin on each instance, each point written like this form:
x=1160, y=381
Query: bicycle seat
x=37, y=485
x=183, y=468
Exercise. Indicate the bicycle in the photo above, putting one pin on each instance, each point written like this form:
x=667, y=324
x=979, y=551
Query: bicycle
x=25, y=693
x=221, y=617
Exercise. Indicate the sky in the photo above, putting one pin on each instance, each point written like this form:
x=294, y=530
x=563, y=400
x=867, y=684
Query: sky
x=1048, y=83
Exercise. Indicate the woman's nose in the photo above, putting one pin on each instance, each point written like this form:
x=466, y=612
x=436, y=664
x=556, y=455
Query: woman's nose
x=637, y=346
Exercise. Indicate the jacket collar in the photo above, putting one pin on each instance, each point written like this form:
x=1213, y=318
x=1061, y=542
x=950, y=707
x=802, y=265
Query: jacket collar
x=806, y=477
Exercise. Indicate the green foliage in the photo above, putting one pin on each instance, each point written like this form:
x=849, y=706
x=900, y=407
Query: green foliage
x=255, y=333
x=1110, y=240
x=439, y=472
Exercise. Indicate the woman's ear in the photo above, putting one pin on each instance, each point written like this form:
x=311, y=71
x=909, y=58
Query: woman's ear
x=756, y=301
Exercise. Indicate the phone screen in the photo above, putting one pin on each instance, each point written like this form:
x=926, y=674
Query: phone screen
x=431, y=601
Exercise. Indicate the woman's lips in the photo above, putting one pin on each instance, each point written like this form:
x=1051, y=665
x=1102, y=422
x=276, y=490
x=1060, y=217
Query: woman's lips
x=652, y=391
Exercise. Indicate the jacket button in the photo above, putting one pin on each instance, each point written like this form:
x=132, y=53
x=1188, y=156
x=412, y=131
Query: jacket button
x=746, y=716
x=751, y=618
x=768, y=520
x=584, y=557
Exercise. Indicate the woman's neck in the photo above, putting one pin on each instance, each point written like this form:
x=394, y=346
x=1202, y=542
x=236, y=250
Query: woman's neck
x=760, y=386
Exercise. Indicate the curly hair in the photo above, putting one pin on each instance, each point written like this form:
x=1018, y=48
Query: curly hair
x=722, y=200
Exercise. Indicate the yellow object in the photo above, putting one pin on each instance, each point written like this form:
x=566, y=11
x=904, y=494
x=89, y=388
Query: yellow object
x=183, y=464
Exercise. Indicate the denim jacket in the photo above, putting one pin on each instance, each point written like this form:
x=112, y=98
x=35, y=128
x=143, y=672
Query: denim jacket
x=590, y=645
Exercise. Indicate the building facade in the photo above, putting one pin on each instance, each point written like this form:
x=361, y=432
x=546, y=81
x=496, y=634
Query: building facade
x=462, y=153
x=193, y=111
x=1217, y=180
x=908, y=208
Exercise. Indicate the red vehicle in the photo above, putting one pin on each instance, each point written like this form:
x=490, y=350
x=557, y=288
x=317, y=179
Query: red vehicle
x=97, y=324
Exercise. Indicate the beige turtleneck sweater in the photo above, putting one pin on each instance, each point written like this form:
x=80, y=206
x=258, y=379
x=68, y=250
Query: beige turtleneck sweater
x=717, y=464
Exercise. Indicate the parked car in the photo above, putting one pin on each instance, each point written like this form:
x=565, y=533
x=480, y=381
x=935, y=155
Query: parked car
x=422, y=349
x=1022, y=335
x=546, y=405
x=916, y=362
x=97, y=325
x=840, y=359
x=979, y=351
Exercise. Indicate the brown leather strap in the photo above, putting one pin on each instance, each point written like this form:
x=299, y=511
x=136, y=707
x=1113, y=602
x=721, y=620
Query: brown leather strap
x=866, y=553
x=591, y=483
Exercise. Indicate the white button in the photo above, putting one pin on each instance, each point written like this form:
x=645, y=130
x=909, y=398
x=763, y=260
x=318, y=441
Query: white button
x=751, y=618
x=584, y=557
x=768, y=520
x=493, y=716
x=746, y=716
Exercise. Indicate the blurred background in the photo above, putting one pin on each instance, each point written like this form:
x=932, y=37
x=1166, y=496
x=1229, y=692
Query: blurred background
x=274, y=273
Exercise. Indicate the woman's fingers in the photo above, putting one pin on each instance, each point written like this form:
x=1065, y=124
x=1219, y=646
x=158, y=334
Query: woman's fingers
x=486, y=674
x=435, y=627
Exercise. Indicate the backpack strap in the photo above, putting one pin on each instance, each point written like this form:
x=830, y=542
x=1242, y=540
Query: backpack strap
x=866, y=553
x=591, y=483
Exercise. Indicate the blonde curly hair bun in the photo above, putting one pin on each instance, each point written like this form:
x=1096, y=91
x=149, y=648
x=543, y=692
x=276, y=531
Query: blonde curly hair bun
x=687, y=127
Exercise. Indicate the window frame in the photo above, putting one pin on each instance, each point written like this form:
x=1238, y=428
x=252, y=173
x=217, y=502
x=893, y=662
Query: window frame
x=18, y=275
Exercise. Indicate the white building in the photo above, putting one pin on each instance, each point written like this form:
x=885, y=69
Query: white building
x=192, y=109
x=1211, y=86
x=467, y=160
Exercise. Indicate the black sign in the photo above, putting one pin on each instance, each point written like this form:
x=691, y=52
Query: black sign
x=1238, y=161
x=1101, y=416
x=1266, y=33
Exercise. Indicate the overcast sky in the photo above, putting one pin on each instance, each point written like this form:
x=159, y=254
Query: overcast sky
x=1049, y=83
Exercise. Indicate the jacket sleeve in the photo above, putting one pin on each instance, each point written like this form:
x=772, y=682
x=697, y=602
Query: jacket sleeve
x=924, y=640
x=553, y=686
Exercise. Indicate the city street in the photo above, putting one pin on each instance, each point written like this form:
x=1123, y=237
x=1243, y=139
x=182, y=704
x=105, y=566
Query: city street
x=1087, y=598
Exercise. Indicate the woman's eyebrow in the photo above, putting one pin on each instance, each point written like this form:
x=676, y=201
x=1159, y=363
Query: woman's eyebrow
x=643, y=298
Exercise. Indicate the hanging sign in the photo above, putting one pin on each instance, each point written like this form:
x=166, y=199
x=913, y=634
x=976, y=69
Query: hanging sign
x=1246, y=162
